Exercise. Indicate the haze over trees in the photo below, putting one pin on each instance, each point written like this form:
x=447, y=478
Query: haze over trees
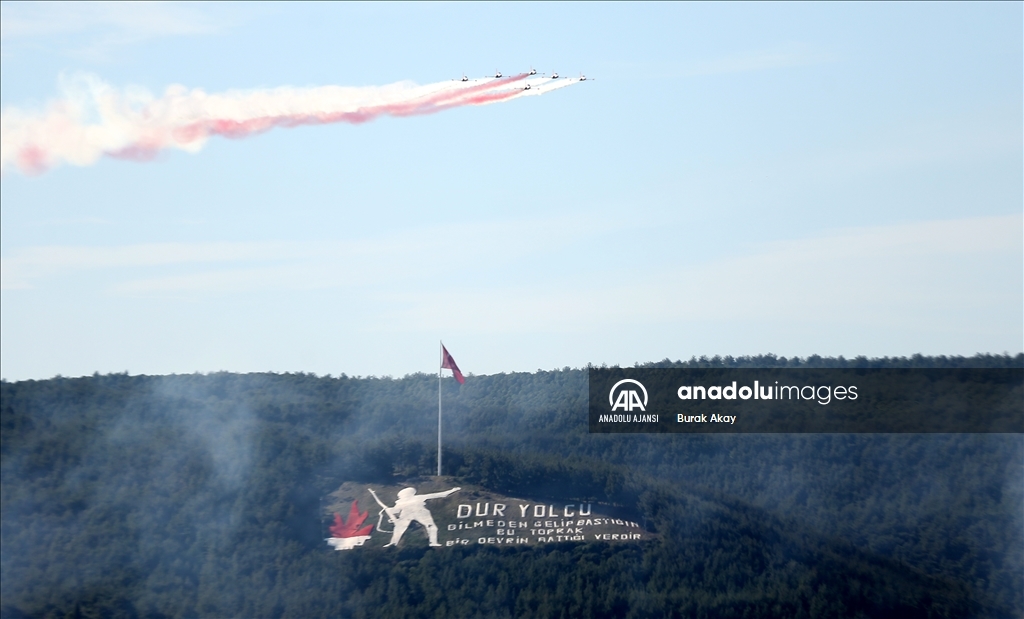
x=199, y=495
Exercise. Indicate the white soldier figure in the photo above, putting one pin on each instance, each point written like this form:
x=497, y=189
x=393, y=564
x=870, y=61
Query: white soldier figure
x=411, y=507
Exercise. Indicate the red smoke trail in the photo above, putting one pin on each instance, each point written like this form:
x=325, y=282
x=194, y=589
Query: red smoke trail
x=234, y=129
x=489, y=85
x=35, y=141
x=481, y=99
x=427, y=105
x=32, y=160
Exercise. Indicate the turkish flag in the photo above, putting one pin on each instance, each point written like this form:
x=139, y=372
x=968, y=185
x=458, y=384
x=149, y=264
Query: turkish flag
x=448, y=363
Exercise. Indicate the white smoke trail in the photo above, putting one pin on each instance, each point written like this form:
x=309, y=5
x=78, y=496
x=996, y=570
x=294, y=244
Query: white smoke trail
x=93, y=119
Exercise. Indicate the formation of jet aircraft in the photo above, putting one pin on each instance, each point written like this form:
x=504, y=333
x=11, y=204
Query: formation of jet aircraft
x=498, y=74
x=534, y=83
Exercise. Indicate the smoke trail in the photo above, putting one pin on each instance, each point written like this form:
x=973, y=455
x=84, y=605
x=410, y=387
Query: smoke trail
x=93, y=119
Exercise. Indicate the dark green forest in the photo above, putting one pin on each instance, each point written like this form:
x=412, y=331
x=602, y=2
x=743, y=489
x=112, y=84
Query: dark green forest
x=199, y=496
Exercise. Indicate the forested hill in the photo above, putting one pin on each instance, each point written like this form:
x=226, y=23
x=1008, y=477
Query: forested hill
x=199, y=495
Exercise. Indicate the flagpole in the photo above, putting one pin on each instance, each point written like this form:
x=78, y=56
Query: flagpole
x=439, y=410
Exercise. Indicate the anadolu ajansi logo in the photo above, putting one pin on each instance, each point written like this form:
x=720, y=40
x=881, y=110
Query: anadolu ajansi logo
x=627, y=399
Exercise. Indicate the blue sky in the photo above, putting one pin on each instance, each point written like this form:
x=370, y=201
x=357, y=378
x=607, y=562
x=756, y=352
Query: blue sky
x=838, y=179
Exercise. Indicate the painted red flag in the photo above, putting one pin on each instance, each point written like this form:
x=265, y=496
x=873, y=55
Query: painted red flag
x=448, y=363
